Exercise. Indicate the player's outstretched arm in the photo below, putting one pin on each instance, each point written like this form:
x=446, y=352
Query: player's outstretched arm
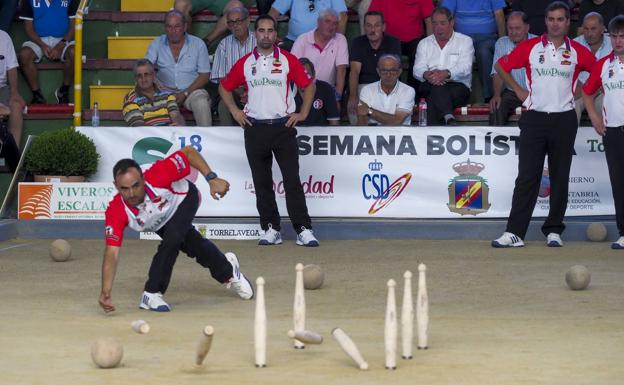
x=109, y=268
x=218, y=187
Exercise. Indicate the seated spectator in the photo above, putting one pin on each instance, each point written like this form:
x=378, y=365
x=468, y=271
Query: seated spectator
x=536, y=13
x=361, y=7
x=50, y=30
x=327, y=50
x=409, y=21
x=183, y=66
x=365, y=53
x=324, y=110
x=303, y=16
x=13, y=104
x=504, y=101
x=218, y=7
x=7, y=12
x=484, y=22
x=600, y=45
x=147, y=104
x=387, y=102
x=230, y=49
x=444, y=65
x=608, y=9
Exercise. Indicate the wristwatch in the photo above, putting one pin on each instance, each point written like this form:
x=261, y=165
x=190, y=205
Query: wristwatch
x=210, y=176
x=64, y=41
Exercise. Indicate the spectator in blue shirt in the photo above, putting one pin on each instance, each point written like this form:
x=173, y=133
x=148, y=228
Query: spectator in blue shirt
x=183, y=66
x=484, y=22
x=304, y=14
x=49, y=27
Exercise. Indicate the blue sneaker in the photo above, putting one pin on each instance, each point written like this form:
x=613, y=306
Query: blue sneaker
x=270, y=237
x=153, y=302
x=619, y=244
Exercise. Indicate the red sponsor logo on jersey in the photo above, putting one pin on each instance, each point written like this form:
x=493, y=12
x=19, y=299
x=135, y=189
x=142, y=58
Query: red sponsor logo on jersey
x=566, y=54
x=276, y=71
x=566, y=63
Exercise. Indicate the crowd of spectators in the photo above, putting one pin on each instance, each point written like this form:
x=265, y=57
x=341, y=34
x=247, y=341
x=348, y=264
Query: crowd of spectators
x=444, y=48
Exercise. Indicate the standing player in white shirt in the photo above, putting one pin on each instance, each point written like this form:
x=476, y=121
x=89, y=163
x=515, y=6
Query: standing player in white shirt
x=608, y=74
x=553, y=63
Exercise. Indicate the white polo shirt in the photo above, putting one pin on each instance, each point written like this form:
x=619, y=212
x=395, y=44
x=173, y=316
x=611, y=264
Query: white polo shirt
x=608, y=73
x=401, y=98
x=267, y=80
x=8, y=60
x=551, y=72
x=456, y=56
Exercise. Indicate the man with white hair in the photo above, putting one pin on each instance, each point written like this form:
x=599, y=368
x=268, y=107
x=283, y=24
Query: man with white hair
x=594, y=39
x=387, y=102
x=327, y=50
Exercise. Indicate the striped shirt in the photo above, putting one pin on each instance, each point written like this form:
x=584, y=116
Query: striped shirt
x=139, y=110
x=228, y=52
x=503, y=46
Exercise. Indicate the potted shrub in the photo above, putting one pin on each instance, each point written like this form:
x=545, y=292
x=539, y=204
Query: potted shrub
x=66, y=155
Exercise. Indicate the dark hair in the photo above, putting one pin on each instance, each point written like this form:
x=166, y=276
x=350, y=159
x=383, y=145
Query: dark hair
x=122, y=167
x=444, y=11
x=265, y=17
x=375, y=13
x=525, y=18
x=616, y=24
x=555, y=5
x=309, y=65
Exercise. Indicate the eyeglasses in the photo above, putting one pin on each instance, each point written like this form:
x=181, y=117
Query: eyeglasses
x=311, y=6
x=388, y=71
x=236, y=22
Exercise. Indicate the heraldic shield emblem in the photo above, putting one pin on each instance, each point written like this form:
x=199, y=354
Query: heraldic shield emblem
x=468, y=192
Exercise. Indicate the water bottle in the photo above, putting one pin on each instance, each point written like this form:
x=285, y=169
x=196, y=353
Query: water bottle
x=422, y=113
x=95, y=116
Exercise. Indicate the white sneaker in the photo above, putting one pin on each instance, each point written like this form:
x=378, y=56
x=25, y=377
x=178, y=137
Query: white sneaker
x=307, y=238
x=554, y=240
x=508, y=240
x=153, y=302
x=619, y=244
x=238, y=283
x=270, y=237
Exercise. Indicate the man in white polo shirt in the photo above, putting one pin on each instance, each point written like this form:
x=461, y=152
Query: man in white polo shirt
x=387, y=102
x=608, y=73
x=553, y=63
x=268, y=119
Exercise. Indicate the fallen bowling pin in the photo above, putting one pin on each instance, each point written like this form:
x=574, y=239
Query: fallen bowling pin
x=306, y=336
x=349, y=347
x=204, y=344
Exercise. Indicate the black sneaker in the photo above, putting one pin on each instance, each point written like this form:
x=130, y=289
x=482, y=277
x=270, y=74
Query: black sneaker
x=62, y=95
x=37, y=98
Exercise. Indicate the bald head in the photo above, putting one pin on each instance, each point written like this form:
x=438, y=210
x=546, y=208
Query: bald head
x=593, y=28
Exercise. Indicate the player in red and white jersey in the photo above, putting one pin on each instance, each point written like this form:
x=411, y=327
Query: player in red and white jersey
x=269, y=118
x=608, y=74
x=163, y=201
x=553, y=63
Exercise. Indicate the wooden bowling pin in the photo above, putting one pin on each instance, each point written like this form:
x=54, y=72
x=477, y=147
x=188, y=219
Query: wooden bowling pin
x=390, y=332
x=299, y=306
x=349, y=347
x=422, y=308
x=306, y=336
x=260, y=325
x=407, y=317
x=203, y=346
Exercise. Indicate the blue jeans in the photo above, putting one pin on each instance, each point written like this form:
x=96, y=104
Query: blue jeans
x=484, y=53
x=7, y=12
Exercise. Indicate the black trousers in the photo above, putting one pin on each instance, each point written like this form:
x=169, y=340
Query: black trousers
x=509, y=103
x=262, y=141
x=613, y=145
x=542, y=134
x=178, y=234
x=442, y=100
x=408, y=48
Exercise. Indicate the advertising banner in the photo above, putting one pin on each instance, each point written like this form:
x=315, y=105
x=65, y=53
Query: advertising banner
x=372, y=172
x=64, y=200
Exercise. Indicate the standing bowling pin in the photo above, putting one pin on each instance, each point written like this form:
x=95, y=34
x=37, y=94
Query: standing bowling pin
x=349, y=347
x=260, y=325
x=390, y=335
x=299, y=306
x=422, y=308
x=407, y=317
x=203, y=346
